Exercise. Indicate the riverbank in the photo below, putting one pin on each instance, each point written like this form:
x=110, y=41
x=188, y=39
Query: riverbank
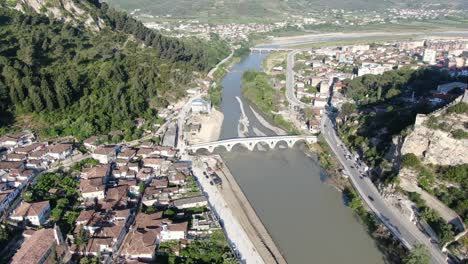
x=217, y=75
x=248, y=217
x=386, y=243
x=258, y=91
x=244, y=229
x=210, y=127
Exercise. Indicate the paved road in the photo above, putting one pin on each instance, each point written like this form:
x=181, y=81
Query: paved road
x=290, y=94
x=286, y=42
x=401, y=227
x=212, y=71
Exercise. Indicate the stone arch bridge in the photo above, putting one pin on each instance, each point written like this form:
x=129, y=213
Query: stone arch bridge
x=251, y=142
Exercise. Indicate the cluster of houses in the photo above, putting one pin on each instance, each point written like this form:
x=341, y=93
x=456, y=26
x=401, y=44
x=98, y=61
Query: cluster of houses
x=112, y=223
x=324, y=69
x=22, y=158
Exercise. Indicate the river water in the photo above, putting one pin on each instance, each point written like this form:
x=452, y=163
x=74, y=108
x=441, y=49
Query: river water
x=306, y=217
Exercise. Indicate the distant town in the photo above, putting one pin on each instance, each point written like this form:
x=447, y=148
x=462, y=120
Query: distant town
x=310, y=22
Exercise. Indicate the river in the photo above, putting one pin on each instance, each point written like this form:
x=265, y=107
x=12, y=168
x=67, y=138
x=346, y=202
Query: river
x=306, y=217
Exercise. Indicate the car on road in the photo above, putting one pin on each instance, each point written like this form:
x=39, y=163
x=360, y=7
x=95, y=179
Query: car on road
x=370, y=198
x=352, y=167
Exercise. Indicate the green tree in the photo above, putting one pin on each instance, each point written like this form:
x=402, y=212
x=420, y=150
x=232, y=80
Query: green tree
x=4, y=234
x=346, y=110
x=410, y=160
x=82, y=237
x=418, y=255
x=26, y=52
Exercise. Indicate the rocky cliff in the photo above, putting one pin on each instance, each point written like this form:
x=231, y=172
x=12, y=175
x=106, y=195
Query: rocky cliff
x=433, y=140
x=76, y=12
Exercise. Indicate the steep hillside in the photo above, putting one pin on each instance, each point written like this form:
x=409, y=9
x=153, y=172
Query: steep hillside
x=79, y=13
x=64, y=78
x=441, y=138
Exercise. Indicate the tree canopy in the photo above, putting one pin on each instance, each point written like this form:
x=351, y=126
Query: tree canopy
x=418, y=255
x=66, y=80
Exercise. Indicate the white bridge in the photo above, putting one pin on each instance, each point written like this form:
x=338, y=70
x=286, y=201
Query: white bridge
x=251, y=142
x=267, y=50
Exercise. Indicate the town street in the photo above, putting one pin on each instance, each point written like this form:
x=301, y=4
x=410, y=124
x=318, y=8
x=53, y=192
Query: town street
x=401, y=227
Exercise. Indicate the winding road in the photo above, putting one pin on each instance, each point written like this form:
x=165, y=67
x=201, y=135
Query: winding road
x=397, y=223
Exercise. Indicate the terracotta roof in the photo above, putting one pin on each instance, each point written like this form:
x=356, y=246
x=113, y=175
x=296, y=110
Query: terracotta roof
x=112, y=231
x=152, y=161
x=29, y=148
x=160, y=183
x=127, y=153
x=177, y=177
x=85, y=216
x=94, y=185
x=95, y=172
x=178, y=227
x=145, y=151
x=35, y=247
x=9, y=165
x=7, y=138
x=116, y=193
x=140, y=242
x=94, y=244
x=148, y=220
x=30, y=209
x=60, y=147
x=92, y=140
x=105, y=150
x=16, y=156
x=144, y=173
x=37, y=154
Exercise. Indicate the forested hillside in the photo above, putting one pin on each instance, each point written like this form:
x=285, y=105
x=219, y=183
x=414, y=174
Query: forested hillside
x=63, y=79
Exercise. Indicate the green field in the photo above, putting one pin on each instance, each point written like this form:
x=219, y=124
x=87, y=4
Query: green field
x=243, y=11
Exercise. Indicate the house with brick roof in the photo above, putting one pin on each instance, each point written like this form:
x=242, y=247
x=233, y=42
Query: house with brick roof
x=35, y=213
x=105, y=154
x=38, y=247
x=60, y=151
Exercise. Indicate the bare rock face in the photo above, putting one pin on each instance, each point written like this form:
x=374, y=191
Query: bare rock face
x=436, y=146
x=64, y=10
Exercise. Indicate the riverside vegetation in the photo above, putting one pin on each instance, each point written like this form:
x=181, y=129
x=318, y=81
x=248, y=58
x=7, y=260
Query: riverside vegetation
x=64, y=79
x=257, y=89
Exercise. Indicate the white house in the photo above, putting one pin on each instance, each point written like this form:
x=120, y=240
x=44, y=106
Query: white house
x=173, y=231
x=60, y=151
x=320, y=102
x=154, y=163
x=190, y=202
x=8, y=142
x=92, y=189
x=105, y=154
x=199, y=105
x=35, y=213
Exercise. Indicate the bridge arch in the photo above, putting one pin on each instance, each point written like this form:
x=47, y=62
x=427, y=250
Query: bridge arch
x=250, y=143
